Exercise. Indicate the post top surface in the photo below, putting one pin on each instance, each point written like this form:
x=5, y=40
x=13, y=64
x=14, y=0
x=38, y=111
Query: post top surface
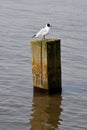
x=46, y=40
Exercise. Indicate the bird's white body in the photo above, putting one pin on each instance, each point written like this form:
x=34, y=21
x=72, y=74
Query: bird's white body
x=43, y=32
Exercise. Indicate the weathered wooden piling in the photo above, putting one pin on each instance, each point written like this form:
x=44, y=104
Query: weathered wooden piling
x=46, y=65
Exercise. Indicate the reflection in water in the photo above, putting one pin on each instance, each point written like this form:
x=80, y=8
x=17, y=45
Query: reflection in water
x=46, y=112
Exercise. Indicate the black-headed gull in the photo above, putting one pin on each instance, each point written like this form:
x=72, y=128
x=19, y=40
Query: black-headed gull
x=43, y=32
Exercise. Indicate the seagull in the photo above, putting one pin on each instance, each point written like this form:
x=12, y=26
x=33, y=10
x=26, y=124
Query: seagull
x=43, y=32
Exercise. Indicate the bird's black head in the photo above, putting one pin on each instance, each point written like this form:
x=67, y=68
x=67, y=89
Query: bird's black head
x=48, y=25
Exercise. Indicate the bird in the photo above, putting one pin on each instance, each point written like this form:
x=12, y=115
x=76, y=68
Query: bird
x=43, y=32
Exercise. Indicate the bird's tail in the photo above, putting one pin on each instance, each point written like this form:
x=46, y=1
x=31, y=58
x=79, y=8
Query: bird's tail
x=33, y=36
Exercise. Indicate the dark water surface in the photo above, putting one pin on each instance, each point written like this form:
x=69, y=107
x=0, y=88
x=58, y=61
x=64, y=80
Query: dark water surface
x=19, y=108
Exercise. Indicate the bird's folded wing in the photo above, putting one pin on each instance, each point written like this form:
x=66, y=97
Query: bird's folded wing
x=41, y=32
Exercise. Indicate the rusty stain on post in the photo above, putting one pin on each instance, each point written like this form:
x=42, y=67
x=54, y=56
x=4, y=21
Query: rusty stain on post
x=46, y=65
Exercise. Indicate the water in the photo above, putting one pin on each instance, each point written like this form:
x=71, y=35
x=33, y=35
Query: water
x=19, y=108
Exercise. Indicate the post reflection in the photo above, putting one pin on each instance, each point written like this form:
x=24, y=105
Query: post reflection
x=46, y=111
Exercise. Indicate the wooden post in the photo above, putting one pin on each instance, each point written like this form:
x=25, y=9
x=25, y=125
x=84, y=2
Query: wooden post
x=46, y=65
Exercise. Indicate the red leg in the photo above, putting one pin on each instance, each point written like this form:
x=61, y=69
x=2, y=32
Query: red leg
x=44, y=37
